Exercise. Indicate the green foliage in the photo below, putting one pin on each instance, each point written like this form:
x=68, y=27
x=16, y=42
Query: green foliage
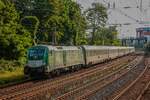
x=1, y=5
x=14, y=39
x=54, y=27
x=31, y=23
x=116, y=42
x=6, y=65
x=75, y=24
x=106, y=36
x=38, y=8
x=61, y=21
x=96, y=17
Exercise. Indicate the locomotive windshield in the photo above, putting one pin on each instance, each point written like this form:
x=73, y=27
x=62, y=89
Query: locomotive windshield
x=36, y=54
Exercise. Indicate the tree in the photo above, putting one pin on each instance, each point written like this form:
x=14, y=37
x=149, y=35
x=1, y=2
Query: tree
x=54, y=22
x=106, y=36
x=39, y=8
x=54, y=26
x=61, y=21
x=31, y=23
x=96, y=17
x=66, y=23
x=74, y=24
x=14, y=39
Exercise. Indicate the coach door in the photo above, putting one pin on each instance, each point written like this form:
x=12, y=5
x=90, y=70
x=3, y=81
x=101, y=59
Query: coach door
x=65, y=57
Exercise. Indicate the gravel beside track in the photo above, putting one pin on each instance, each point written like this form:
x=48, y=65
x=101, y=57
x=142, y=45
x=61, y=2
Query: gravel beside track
x=145, y=95
x=55, y=87
x=101, y=88
x=134, y=90
x=20, y=86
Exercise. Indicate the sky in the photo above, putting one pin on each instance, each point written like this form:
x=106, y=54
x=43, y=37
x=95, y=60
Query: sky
x=120, y=15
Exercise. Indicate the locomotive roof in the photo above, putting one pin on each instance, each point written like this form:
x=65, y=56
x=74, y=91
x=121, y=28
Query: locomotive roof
x=50, y=47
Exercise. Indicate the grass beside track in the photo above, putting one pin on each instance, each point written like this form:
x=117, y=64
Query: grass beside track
x=7, y=77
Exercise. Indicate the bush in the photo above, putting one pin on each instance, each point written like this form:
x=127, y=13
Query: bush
x=6, y=65
x=14, y=38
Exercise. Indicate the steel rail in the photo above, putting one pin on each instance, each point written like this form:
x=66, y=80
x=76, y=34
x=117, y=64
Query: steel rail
x=131, y=85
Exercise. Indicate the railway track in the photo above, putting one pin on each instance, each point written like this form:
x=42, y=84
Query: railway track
x=59, y=86
x=19, y=87
x=100, y=88
x=145, y=95
x=134, y=90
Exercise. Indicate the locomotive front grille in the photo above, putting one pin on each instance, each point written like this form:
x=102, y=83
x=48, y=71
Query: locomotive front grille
x=34, y=71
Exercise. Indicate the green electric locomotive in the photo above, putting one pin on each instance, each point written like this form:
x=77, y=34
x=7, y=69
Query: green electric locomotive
x=44, y=59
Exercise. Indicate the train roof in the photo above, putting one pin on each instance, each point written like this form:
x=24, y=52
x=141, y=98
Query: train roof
x=87, y=47
x=68, y=47
x=94, y=47
x=105, y=47
x=50, y=47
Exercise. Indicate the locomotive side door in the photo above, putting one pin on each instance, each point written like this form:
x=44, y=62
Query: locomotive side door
x=64, y=57
x=51, y=60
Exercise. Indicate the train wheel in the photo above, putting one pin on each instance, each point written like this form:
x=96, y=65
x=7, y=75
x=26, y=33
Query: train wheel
x=57, y=72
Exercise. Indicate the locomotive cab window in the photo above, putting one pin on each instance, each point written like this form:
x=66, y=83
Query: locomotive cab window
x=36, y=54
